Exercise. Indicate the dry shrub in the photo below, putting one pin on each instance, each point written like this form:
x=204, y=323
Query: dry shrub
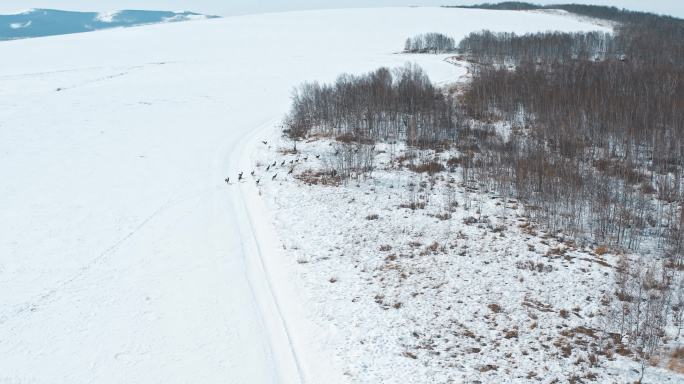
x=413, y=205
x=623, y=350
x=385, y=248
x=487, y=368
x=593, y=359
x=428, y=167
x=566, y=350
x=469, y=220
x=430, y=249
x=528, y=229
x=349, y=138
x=617, y=168
x=454, y=162
x=311, y=177
x=601, y=250
x=406, y=157
x=532, y=266
x=373, y=216
x=511, y=334
x=556, y=251
x=648, y=188
x=494, y=307
x=676, y=363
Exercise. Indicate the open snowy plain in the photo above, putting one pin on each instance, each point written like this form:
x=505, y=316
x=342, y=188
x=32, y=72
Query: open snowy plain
x=124, y=256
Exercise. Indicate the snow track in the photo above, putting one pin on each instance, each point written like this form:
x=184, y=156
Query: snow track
x=288, y=364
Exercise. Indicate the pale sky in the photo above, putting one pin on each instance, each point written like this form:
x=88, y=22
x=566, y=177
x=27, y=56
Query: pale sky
x=234, y=7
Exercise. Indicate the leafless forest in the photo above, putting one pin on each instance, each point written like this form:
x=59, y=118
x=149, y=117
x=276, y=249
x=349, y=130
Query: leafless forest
x=594, y=142
x=429, y=43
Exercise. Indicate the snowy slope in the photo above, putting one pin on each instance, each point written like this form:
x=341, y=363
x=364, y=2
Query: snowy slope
x=124, y=257
x=49, y=22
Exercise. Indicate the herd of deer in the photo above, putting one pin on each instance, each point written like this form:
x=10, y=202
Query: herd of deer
x=271, y=166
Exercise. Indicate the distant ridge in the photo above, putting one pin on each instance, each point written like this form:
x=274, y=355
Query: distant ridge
x=49, y=22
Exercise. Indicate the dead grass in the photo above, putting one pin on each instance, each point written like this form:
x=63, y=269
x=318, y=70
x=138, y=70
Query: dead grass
x=487, y=368
x=413, y=205
x=511, y=334
x=676, y=362
x=532, y=266
x=430, y=249
x=430, y=167
x=494, y=307
x=349, y=138
x=287, y=151
x=311, y=177
x=601, y=250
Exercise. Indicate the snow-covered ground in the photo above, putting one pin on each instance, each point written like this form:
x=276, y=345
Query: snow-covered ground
x=425, y=278
x=124, y=257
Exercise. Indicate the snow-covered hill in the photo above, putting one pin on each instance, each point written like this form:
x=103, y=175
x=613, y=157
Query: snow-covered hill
x=49, y=22
x=124, y=256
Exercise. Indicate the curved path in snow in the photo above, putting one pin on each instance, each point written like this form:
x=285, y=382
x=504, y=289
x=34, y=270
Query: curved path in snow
x=124, y=257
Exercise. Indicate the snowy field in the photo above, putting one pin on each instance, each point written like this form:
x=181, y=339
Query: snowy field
x=124, y=257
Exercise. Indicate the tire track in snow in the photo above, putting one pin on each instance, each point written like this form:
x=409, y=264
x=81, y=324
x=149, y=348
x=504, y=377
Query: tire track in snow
x=240, y=158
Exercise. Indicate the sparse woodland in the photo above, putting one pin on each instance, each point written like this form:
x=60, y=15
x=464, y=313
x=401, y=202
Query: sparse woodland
x=430, y=43
x=595, y=143
x=384, y=105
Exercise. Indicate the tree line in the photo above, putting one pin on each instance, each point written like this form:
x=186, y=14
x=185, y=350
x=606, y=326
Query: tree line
x=505, y=48
x=641, y=36
x=383, y=105
x=429, y=43
x=400, y=104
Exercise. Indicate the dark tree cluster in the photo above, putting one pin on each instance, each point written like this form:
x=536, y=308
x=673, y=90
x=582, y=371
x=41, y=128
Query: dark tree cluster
x=608, y=133
x=357, y=111
x=400, y=104
x=503, y=6
x=596, y=148
x=430, y=43
x=541, y=48
x=644, y=37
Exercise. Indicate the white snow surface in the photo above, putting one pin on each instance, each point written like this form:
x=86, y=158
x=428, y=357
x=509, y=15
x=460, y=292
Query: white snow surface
x=124, y=257
x=107, y=17
x=20, y=25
